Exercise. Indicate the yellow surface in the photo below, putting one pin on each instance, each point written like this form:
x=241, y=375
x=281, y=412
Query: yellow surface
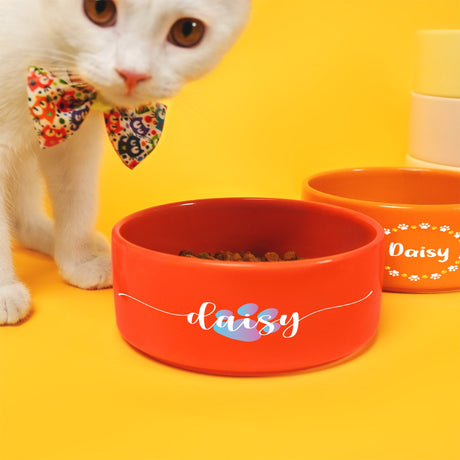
x=311, y=85
x=437, y=71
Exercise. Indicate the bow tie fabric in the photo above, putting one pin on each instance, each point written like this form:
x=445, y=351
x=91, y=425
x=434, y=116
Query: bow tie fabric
x=59, y=108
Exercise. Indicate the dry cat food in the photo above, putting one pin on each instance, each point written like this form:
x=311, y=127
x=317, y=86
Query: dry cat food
x=242, y=256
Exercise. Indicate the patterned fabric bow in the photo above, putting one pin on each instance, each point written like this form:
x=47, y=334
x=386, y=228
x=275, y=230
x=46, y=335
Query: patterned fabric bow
x=59, y=108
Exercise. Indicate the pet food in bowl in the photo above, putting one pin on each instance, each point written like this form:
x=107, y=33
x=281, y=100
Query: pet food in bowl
x=241, y=256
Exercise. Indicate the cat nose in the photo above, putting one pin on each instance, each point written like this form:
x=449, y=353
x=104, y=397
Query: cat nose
x=132, y=79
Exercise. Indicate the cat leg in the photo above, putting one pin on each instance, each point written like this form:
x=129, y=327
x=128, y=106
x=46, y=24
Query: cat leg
x=31, y=227
x=71, y=172
x=14, y=297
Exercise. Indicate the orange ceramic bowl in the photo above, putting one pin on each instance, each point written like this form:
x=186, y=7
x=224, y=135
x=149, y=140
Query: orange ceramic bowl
x=419, y=210
x=247, y=318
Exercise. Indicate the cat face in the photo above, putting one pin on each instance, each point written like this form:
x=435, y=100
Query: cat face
x=138, y=51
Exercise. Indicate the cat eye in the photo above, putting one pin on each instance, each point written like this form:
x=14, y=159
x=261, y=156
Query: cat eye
x=186, y=32
x=102, y=12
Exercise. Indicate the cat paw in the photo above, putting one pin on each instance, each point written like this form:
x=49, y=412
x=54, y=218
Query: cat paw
x=87, y=265
x=101, y=244
x=14, y=303
x=95, y=273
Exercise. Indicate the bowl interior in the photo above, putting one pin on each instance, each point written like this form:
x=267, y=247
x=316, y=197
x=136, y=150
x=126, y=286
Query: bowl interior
x=258, y=225
x=393, y=186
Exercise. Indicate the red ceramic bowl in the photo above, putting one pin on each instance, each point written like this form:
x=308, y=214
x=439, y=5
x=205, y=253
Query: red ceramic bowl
x=419, y=210
x=247, y=318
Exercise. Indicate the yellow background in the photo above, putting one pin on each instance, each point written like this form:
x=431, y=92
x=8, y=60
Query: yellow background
x=311, y=85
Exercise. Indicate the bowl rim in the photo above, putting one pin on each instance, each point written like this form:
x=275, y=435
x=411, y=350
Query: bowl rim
x=370, y=223
x=362, y=203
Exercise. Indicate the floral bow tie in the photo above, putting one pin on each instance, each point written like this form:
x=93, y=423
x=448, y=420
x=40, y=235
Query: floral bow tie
x=59, y=108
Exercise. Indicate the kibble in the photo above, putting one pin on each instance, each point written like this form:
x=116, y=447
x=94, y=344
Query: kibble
x=242, y=256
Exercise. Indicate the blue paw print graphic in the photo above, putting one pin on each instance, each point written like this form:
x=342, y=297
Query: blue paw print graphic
x=246, y=329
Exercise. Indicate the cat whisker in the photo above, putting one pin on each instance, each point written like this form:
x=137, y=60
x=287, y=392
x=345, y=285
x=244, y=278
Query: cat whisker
x=59, y=57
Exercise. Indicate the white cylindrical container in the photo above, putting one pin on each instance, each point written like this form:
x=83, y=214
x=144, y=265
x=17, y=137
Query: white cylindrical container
x=437, y=68
x=434, y=133
x=416, y=163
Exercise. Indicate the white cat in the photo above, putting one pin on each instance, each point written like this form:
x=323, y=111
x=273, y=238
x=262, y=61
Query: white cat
x=132, y=52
